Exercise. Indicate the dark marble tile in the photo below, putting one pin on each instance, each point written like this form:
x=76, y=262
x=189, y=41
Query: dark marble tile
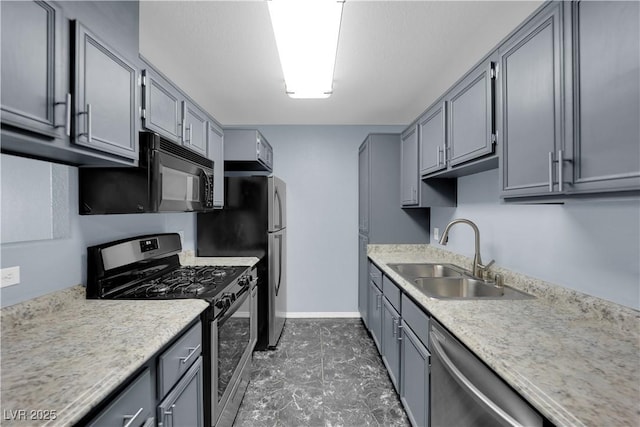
x=325, y=372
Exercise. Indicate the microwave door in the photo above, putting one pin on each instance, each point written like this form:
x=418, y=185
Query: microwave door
x=178, y=185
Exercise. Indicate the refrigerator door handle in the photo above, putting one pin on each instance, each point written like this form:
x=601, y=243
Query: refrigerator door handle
x=279, y=275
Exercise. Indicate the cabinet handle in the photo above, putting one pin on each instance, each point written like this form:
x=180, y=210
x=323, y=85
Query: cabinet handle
x=560, y=171
x=192, y=351
x=128, y=420
x=67, y=109
x=89, y=133
x=399, y=332
x=67, y=114
x=169, y=413
x=88, y=123
x=191, y=133
x=395, y=328
x=438, y=155
x=550, y=171
x=378, y=301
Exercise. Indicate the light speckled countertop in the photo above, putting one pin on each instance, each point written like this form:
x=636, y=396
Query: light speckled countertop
x=574, y=357
x=64, y=353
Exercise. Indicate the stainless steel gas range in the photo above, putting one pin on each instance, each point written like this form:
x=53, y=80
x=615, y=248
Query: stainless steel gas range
x=148, y=267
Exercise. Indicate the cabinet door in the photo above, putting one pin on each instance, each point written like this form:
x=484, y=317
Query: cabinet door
x=34, y=95
x=391, y=341
x=215, y=138
x=184, y=405
x=363, y=279
x=414, y=378
x=375, y=313
x=530, y=120
x=433, y=140
x=363, y=187
x=470, y=116
x=104, y=97
x=409, y=178
x=195, y=130
x=606, y=78
x=162, y=106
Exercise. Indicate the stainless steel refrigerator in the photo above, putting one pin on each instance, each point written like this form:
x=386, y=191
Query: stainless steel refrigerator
x=253, y=223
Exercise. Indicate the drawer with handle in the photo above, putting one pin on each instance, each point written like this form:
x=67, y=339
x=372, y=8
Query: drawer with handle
x=131, y=408
x=174, y=362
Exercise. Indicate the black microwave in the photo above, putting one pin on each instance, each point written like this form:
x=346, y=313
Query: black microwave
x=168, y=178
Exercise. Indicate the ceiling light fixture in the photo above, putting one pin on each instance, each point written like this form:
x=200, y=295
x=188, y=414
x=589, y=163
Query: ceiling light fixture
x=306, y=34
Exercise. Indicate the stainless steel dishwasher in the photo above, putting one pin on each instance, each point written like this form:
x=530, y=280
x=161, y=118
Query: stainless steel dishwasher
x=466, y=393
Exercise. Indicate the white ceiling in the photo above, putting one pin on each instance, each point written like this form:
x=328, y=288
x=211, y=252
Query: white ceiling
x=394, y=57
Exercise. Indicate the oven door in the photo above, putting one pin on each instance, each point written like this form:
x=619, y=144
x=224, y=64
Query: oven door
x=230, y=343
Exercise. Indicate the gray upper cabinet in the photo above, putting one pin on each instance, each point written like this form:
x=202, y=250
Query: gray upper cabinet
x=470, y=116
x=605, y=80
x=215, y=138
x=433, y=139
x=162, y=108
x=34, y=91
x=531, y=109
x=195, y=128
x=50, y=72
x=409, y=179
x=105, y=97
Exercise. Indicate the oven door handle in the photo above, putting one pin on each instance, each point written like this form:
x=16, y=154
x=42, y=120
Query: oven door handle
x=237, y=303
x=467, y=384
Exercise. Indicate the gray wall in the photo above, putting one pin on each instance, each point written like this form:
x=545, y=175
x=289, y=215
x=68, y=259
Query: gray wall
x=320, y=166
x=590, y=246
x=58, y=261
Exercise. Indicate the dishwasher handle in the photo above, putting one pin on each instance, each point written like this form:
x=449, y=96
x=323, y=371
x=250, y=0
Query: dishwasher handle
x=439, y=351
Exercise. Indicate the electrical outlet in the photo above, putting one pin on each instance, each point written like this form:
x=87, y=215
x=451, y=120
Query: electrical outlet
x=9, y=276
x=436, y=233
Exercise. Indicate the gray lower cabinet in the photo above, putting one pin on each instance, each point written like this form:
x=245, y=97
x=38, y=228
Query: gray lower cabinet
x=105, y=96
x=132, y=407
x=414, y=377
x=375, y=313
x=470, y=116
x=604, y=68
x=183, y=406
x=34, y=91
x=433, y=139
x=391, y=340
x=162, y=106
x=195, y=128
x=215, y=142
x=530, y=108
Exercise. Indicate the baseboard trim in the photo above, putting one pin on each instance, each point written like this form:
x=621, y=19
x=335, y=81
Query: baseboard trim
x=323, y=315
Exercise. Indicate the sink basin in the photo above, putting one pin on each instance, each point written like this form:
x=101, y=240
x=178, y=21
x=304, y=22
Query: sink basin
x=411, y=271
x=465, y=288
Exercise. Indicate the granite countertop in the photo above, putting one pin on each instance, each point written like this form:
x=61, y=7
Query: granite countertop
x=574, y=357
x=62, y=352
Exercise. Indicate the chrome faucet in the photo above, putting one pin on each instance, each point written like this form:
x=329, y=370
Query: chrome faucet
x=478, y=267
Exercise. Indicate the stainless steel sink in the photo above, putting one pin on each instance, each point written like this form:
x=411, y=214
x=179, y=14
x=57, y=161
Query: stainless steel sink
x=465, y=288
x=410, y=271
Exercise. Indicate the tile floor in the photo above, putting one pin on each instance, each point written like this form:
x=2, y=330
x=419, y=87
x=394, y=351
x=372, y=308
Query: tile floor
x=325, y=372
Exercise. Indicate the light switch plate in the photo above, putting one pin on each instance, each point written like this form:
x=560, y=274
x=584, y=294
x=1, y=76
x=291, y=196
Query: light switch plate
x=436, y=233
x=9, y=276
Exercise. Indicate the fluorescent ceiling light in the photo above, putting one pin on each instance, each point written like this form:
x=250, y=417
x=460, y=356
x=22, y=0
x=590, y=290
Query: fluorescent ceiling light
x=306, y=34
